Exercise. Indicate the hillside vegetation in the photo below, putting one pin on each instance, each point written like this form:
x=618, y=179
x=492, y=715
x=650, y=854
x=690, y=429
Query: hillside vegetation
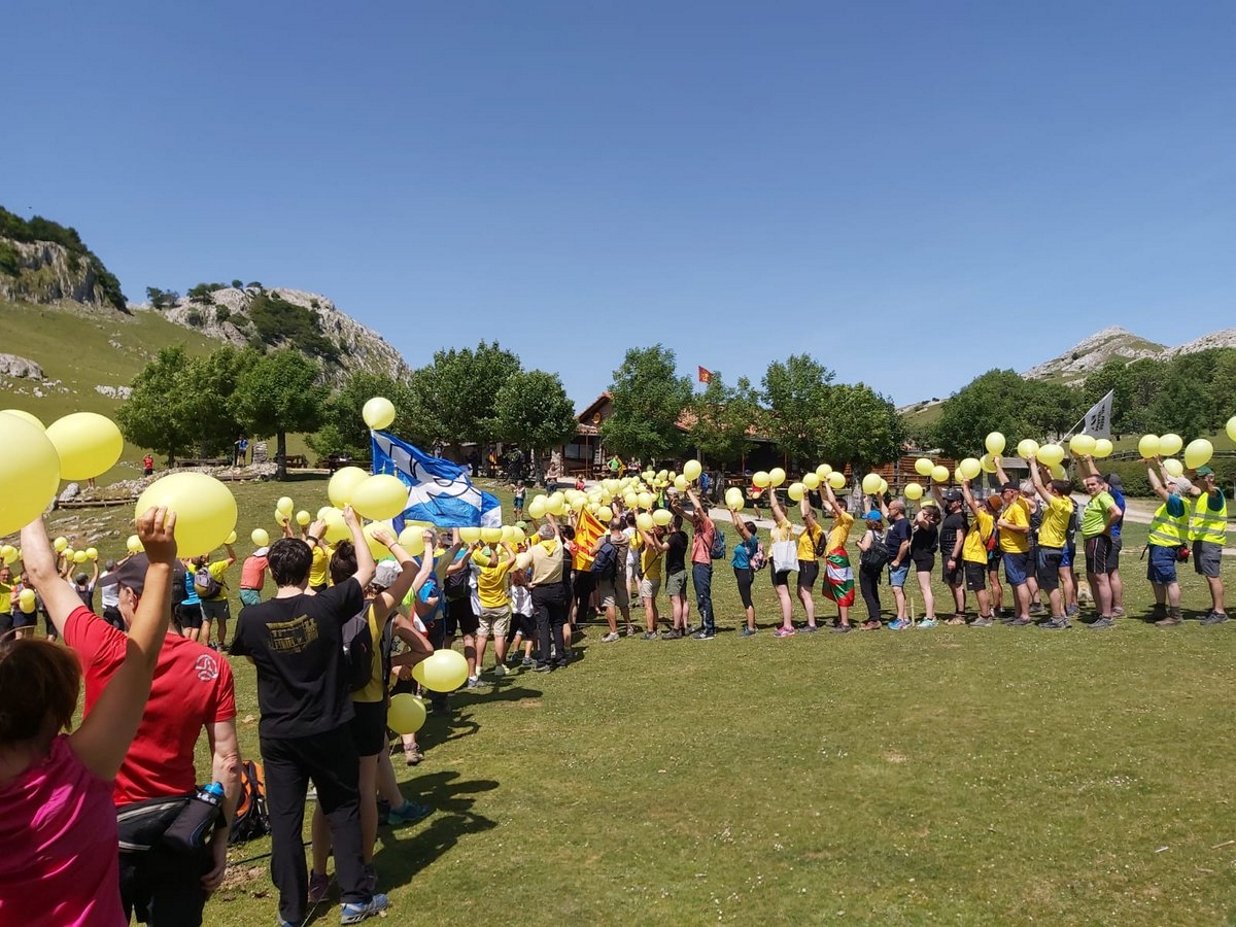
x=15, y=263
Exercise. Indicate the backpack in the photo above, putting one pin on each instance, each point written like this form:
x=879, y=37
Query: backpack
x=205, y=584
x=179, y=592
x=456, y=585
x=252, y=818
x=605, y=563
x=821, y=544
x=759, y=557
x=358, y=648
x=717, y=551
x=876, y=555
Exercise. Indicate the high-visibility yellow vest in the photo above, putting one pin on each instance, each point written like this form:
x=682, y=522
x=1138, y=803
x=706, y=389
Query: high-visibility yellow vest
x=1207, y=524
x=1167, y=530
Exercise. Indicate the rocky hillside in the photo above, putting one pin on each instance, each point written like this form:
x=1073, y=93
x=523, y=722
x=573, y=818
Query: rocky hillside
x=1092, y=353
x=280, y=317
x=44, y=262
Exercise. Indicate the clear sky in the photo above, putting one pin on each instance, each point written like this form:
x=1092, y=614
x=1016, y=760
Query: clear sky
x=912, y=192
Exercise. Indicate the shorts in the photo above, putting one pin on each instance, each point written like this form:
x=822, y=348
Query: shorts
x=460, y=619
x=189, y=616
x=648, y=588
x=897, y=576
x=368, y=727
x=976, y=577
x=494, y=622
x=1016, y=568
x=993, y=561
x=611, y=593
x=1113, y=555
x=955, y=576
x=1048, y=567
x=1070, y=554
x=1098, y=548
x=1161, y=565
x=22, y=620
x=676, y=583
x=924, y=564
x=808, y=573
x=216, y=610
x=250, y=597
x=1206, y=557
x=781, y=577
x=524, y=624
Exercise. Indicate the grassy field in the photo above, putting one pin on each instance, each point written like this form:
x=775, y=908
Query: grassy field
x=961, y=776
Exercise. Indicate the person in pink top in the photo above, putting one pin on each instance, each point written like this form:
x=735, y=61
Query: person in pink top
x=57, y=821
x=253, y=576
x=701, y=562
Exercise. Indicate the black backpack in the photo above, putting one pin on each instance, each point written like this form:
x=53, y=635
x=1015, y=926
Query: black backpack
x=456, y=585
x=821, y=544
x=875, y=556
x=358, y=648
x=605, y=563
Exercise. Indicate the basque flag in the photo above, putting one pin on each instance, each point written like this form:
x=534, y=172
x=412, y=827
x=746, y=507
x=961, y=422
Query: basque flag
x=439, y=491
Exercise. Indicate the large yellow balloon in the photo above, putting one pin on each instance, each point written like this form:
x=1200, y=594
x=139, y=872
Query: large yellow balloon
x=379, y=497
x=811, y=481
x=836, y=480
x=823, y=470
x=1050, y=454
x=491, y=535
x=1231, y=427
x=205, y=510
x=796, y=491
x=32, y=419
x=92, y=554
x=1173, y=466
x=914, y=491
x=734, y=498
x=444, y=670
x=692, y=470
x=1027, y=448
x=342, y=484
x=970, y=468
x=995, y=444
x=27, y=601
x=662, y=517
x=939, y=473
x=62, y=544
x=260, y=537
x=377, y=548
x=470, y=534
x=80, y=556
x=988, y=463
x=1170, y=444
x=29, y=473
x=8, y=553
x=406, y=713
x=336, y=528
x=776, y=476
x=89, y=444
x=681, y=483
x=1198, y=453
x=760, y=478
x=644, y=521
x=645, y=500
x=378, y=413
x=412, y=539
x=1148, y=446
x=1083, y=445
x=871, y=484
x=1103, y=448
x=536, y=508
x=285, y=505
x=303, y=518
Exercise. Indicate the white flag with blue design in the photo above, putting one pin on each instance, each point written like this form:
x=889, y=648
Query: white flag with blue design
x=439, y=491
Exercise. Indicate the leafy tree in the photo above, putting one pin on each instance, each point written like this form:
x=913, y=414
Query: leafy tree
x=532, y=410
x=862, y=428
x=162, y=299
x=796, y=391
x=453, y=397
x=343, y=428
x=39, y=229
x=237, y=284
x=156, y=415
x=648, y=400
x=724, y=416
x=993, y=401
x=208, y=386
x=277, y=394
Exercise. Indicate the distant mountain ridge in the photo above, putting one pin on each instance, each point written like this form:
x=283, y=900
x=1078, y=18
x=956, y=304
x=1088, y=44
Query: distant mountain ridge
x=1089, y=354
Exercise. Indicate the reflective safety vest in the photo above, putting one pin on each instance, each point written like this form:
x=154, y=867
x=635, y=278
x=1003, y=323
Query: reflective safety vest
x=1166, y=530
x=1206, y=524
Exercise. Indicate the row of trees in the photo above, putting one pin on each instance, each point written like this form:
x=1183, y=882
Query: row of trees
x=1191, y=394
x=799, y=406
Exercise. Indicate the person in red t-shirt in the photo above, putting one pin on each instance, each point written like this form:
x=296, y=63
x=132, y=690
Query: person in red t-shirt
x=192, y=689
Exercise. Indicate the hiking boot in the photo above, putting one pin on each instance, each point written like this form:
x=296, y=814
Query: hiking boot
x=610, y=637
x=871, y=625
x=1215, y=618
x=1101, y=623
x=355, y=913
x=319, y=886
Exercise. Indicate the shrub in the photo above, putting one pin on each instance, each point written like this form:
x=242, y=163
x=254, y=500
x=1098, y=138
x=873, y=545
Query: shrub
x=194, y=318
x=222, y=314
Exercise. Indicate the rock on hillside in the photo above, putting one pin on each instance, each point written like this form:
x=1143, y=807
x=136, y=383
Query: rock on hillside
x=227, y=314
x=45, y=272
x=1092, y=353
x=1223, y=339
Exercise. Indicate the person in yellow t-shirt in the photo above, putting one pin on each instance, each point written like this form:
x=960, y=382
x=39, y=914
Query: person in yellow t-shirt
x=1014, y=525
x=808, y=560
x=1053, y=576
x=652, y=546
x=838, y=574
x=974, y=551
x=214, y=593
x=492, y=589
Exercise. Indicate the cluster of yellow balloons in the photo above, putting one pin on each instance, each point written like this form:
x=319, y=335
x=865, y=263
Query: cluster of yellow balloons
x=1196, y=454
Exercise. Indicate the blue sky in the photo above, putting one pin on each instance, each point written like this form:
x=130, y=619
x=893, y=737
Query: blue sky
x=912, y=192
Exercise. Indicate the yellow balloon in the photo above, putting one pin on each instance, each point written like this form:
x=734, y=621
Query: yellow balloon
x=811, y=481
x=285, y=505
x=871, y=484
x=27, y=601
x=987, y=463
x=914, y=491
x=343, y=483
x=1102, y=448
x=303, y=518
x=970, y=468
x=681, y=483
x=734, y=498
x=883, y=486
x=939, y=473
x=412, y=539
x=1198, y=453
x=1231, y=427
x=92, y=554
x=1170, y=444
x=644, y=521
x=69, y=554
x=205, y=510
x=822, y=471
x=1027, y=448
x=8, y=554
x=1058, y=472
x=134, y=544
x=62, y=544
x=836, y=480
x=280, y=518
x=260, y=537
x=1173, y=466
x=776, y=476
x=1082, y=445
x=995, y=443
x=1148, y=446
x=230, y=539
x=796, y=491
x=605, y=514
x=29, y=473
x=444, y=670
x=80, y=556
x=89, y=444
x=376, y=547
x=536, y=508
x=470, y=534
x=491, y=535
x=923, y=466
x=22, y=414
x=379, y=497
x=662, y=517
x=378, y=413
x=336, y=528
x=1050, y=454
x=760, y=478
x=645, y=500
x=405, y=714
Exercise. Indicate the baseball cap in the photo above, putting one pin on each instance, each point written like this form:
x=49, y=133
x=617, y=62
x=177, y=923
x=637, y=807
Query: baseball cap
x=132, y=573
x=1205, y=470
x=873, y=515
x=385, y=574
x=952, y=496
x=1010, y=486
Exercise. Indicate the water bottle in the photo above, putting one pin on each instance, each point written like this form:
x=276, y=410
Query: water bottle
x=193, y=827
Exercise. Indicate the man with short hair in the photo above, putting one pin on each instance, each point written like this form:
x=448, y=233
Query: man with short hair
x=549, y=596
x=1208, y=532
x=192, y=690
x=1100, y=513
x=1169, y=529
x=609, y=563
x=976, y=554
x=897, y=543
x=953, y=530
x=296, y=642
x=705, y=531
x=1014, y=534
x=1056, y=511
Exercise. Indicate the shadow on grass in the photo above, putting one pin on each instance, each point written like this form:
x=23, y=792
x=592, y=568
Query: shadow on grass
x=452, y=817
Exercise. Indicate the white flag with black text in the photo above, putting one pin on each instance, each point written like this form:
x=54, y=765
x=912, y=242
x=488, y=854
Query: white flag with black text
x=1098, y=422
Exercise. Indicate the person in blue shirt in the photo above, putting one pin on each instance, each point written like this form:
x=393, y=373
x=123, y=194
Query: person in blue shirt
x=745, y=564
x=189, y=611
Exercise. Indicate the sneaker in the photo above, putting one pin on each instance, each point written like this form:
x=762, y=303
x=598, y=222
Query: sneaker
x=747, y=632
x=355, y=913
x=927, y=623
x=1117, y=612
x=956, y=620
x=1169, y=621
x=474, y=682
x=319, y=886
x=610, y=637
x=1007, y=618
x=810, y=628
x=544, y=668
x=408, y=813
x=842, y=628
x=527, y=662
x=898, y=624
x=1072, y=611
x=1056, y=624
x=784, y=632
x=871, y=625
x=630, y=631
x=1021, y=622
x=1100, y=623
x=705, y=635
x=1037, y=609
x=411, y=758
x=982, y=622
x=650, y=635
x=500, y=670
x=1215, y=618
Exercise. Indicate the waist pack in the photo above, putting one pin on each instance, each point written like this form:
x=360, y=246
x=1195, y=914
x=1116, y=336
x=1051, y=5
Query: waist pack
x=172, y=823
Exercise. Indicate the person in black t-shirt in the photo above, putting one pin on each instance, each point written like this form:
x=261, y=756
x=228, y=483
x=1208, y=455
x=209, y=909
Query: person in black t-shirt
x=676, y=578
x=924, y=539
x=952, y=537
x=296, y=642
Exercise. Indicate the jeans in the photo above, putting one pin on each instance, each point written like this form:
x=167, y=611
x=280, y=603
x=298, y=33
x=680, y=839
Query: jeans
x=701, y=578
x=549, y=603
x=869, y=584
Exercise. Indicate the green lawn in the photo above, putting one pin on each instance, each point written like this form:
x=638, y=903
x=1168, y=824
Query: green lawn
x=961, y=776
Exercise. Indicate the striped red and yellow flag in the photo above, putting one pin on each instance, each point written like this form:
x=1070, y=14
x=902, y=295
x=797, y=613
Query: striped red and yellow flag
x=587, y=532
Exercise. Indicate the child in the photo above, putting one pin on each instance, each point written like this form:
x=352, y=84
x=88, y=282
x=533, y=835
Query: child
x=521, y=493
x=521, y=609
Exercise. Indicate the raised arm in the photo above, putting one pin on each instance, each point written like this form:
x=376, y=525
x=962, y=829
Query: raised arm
x=808, y=516
x=39, y=559
x=700, y=513
x=1038, y=481
x=1000, y=474
x=364, y=556
x=104, y=737
x=969, y=497
x=1155, y=483
x=1091, y=467
x=410, y=579
x=740, y=526
x=231, y=554
x=831, y=499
